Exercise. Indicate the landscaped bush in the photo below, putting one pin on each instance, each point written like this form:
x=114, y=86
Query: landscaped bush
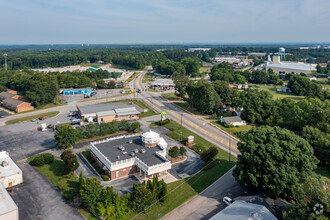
x=174, y=152
x=136, y=131
x=162, y=122
x=70, y=161
x=105, y=177
x=210, y=154
x=135, y=125
x=48, y=158
x=38, y=161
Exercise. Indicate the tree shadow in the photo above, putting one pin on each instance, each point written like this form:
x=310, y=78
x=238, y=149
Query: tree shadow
x=57, y=168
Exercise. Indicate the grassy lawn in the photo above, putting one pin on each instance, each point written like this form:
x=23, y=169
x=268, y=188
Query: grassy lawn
x=182, y=190
x=139, y=103
x=235, y=130
x=204, y=69
x=66, y=183
x=185, y=105
x=324, y=172
x=170, y=96
x=28, y=118
x=147, y=77
x=277, y=95
x=87, y=214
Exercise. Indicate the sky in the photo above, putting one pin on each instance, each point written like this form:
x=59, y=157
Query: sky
x=163, y=21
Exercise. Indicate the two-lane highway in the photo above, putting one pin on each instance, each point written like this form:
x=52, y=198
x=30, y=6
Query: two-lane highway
x=188, y=120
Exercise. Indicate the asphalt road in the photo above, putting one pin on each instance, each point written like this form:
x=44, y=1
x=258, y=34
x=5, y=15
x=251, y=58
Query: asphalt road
x=190, y=121
x=209, y=202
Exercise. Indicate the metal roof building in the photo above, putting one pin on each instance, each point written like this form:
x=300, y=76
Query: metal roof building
x=10, y=173
x=241, y=210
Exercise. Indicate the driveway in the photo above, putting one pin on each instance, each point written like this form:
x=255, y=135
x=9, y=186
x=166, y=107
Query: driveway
x=38, y=199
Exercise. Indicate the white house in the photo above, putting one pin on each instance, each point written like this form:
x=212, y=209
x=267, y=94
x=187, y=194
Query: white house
x=284, y=89
x=233, y=120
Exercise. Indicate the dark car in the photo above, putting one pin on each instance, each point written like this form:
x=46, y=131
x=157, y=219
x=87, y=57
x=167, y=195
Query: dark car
x=50, y=126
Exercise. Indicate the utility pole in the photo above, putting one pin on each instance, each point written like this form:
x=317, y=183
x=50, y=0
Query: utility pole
x=181, y=119
x=5, y=61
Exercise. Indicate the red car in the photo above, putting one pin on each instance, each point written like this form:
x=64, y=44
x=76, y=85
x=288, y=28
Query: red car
x=42, y=118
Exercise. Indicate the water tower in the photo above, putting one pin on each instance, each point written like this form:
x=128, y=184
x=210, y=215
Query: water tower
x=282, y=52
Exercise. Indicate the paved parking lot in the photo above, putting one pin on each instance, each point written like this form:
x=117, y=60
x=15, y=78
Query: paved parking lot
x=38, y=199
x=101, y=93
x=3, y=113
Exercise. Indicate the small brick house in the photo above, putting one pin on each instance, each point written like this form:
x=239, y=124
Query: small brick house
x=17, y=105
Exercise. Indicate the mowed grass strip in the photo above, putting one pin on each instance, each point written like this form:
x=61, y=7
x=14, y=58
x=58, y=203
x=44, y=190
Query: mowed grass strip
x=68, y=184
x=28, y=118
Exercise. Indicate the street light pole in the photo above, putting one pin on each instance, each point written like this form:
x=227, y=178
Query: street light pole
x=5, y=61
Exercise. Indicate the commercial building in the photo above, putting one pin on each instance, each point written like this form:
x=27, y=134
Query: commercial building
x=108, y=112
x=17, y=105
x=76, y=91
x=282, y=67
x=8, y=208
x=198, y=49
x=10, y=173
x=241, y=210
x=163, y=84
x=128, y=154
x=14, y=102
x=233, y=120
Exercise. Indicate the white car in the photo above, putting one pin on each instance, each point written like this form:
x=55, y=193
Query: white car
x=227, y=200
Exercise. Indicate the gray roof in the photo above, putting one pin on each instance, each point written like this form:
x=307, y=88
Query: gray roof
x=126, y=111
x=92, y=109
x=106, y=113
x=5, y=95
x=111, y=151
x=293, y=66
x=241, y=210
x=11, y=101
x=232, y=119
x=7, y=204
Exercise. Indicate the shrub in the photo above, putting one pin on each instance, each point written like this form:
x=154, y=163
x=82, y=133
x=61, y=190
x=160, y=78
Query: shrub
x=164, y=122
x=70, y=161
x=105, y=177
x=135, y=125
x=210, y=154
x=183, y=150
x=174, y=152
x=38, y=161
x=48, y=158
x=136, y=131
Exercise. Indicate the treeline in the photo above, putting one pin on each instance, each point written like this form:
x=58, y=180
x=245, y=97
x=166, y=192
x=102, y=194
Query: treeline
x=303, y=86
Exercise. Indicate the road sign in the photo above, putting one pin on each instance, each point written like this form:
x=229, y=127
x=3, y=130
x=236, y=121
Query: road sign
x=163, y=115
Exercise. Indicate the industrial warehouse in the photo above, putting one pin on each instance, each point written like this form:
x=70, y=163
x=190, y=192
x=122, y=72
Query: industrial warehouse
x=125, y=155
x=108, y=112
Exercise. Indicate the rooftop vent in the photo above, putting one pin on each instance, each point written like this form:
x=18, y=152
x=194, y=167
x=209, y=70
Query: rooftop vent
x=4, y=163
x=122, y=148
x=118, y=157
x=136, y=151
x=143, y=151
x=124, y=152
x=130, y=141
x=132, y=154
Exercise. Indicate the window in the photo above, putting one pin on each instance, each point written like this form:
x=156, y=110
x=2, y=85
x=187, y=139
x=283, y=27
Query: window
x=117, y=173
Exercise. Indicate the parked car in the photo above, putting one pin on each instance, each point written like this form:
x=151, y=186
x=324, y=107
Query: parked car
x=109, y=92
x=42, y=118
x=75, y=122
x=227, y=200
x=50, y=126
x=33, y=120
x=73, y=118
x=86, y=96
x=122, y=91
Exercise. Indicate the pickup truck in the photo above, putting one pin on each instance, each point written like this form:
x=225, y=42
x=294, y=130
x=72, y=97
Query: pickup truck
x=43, y=127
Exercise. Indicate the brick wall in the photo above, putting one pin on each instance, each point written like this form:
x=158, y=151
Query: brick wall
x=24, y=107
x=123, y=172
